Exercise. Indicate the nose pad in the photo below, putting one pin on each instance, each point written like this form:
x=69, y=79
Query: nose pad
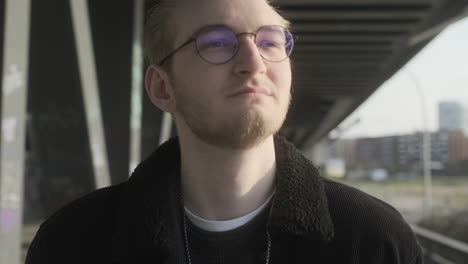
x=248, y=58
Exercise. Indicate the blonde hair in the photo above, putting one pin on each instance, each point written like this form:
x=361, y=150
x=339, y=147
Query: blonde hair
x=158, y=39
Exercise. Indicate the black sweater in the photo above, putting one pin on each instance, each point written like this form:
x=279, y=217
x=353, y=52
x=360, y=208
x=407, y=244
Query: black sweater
x=246, y=244
x=313, y=220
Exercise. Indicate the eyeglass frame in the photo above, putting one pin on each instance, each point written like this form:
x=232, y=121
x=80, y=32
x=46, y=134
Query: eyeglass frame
x=197, y=33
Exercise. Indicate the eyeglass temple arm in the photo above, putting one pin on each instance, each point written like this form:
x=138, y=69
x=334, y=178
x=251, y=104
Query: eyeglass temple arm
x=175, y=51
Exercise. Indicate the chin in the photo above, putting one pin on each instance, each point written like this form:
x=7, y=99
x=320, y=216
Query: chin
x=243, y=132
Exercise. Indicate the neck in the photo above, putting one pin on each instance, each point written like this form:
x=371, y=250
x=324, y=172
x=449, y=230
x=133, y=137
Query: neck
x=221, y=184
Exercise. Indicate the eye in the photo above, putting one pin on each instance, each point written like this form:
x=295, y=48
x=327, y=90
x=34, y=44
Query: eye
x=268, y=44
x=217, y=43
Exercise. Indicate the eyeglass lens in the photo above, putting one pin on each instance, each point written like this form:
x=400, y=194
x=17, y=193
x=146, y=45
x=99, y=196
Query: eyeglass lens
x=219, y=44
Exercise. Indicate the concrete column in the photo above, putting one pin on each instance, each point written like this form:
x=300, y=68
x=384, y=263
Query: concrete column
x=14, y=99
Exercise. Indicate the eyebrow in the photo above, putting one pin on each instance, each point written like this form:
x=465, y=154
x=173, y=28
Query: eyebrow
x=210, y=26
x=196, y=32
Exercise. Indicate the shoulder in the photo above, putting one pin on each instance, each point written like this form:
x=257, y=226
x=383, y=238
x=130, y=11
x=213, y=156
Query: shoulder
x=84, y=223
x=369, y=223
x=356, y=209
x=349, y=201
x=91, y=207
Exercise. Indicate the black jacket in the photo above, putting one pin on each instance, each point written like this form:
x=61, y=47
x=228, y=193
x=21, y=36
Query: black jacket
x=313, y=220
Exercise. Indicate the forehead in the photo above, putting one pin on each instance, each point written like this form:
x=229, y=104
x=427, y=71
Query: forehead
x=240, y=15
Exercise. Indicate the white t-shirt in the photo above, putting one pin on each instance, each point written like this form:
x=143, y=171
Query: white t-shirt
x=222, y=226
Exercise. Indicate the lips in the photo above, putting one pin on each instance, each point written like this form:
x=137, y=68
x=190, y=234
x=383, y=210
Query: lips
x=250, y=90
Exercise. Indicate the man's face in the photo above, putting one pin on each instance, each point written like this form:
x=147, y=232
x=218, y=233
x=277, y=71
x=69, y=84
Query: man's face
x=207, y=99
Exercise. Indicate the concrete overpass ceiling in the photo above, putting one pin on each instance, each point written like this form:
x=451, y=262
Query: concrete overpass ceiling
x=347, y=49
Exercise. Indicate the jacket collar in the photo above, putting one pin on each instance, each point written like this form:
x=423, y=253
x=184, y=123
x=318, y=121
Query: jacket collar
x=147, y=221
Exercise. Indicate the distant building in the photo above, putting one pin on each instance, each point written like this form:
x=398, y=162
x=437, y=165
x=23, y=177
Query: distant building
x=381, y=152
x=440, y=149
x=404, y=153
x=367, y=153
x=346, y=150
x=452, y=117
x=409, y=150
x=456, y=147
x=449, y=152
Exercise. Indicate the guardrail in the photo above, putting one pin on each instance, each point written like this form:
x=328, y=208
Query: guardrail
x=442, y=240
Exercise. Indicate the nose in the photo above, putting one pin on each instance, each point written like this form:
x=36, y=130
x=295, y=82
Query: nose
x=248, y=60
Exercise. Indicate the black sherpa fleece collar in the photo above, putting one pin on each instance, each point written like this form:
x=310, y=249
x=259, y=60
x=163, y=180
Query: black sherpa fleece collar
x=149, y=213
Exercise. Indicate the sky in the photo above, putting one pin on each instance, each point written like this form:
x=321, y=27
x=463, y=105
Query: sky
x=440, y=70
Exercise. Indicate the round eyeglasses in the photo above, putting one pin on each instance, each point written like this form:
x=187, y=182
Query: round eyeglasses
x=219, y=44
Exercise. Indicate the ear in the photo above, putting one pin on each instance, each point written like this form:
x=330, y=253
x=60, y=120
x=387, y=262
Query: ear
x=159, y=88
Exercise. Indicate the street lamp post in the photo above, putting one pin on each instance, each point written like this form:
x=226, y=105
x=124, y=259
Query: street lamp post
x=426, y=150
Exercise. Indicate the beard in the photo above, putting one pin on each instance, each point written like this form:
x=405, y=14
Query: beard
x=236, y=130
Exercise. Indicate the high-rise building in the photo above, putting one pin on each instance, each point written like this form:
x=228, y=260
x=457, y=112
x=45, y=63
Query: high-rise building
x=451, y=116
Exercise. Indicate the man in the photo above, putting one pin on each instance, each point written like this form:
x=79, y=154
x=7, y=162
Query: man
x=227, y=190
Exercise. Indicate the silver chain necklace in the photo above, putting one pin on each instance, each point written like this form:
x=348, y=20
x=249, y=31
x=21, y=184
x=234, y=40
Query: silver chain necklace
x=187, y=248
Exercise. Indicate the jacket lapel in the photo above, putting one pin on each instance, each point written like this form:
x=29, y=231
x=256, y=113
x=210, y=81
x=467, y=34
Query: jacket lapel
x=300, y=206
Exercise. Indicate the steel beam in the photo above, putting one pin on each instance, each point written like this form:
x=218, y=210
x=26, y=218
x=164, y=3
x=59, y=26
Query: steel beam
x=89, y=85
x=137, y=84
x=383, y=14
x=14, y=99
